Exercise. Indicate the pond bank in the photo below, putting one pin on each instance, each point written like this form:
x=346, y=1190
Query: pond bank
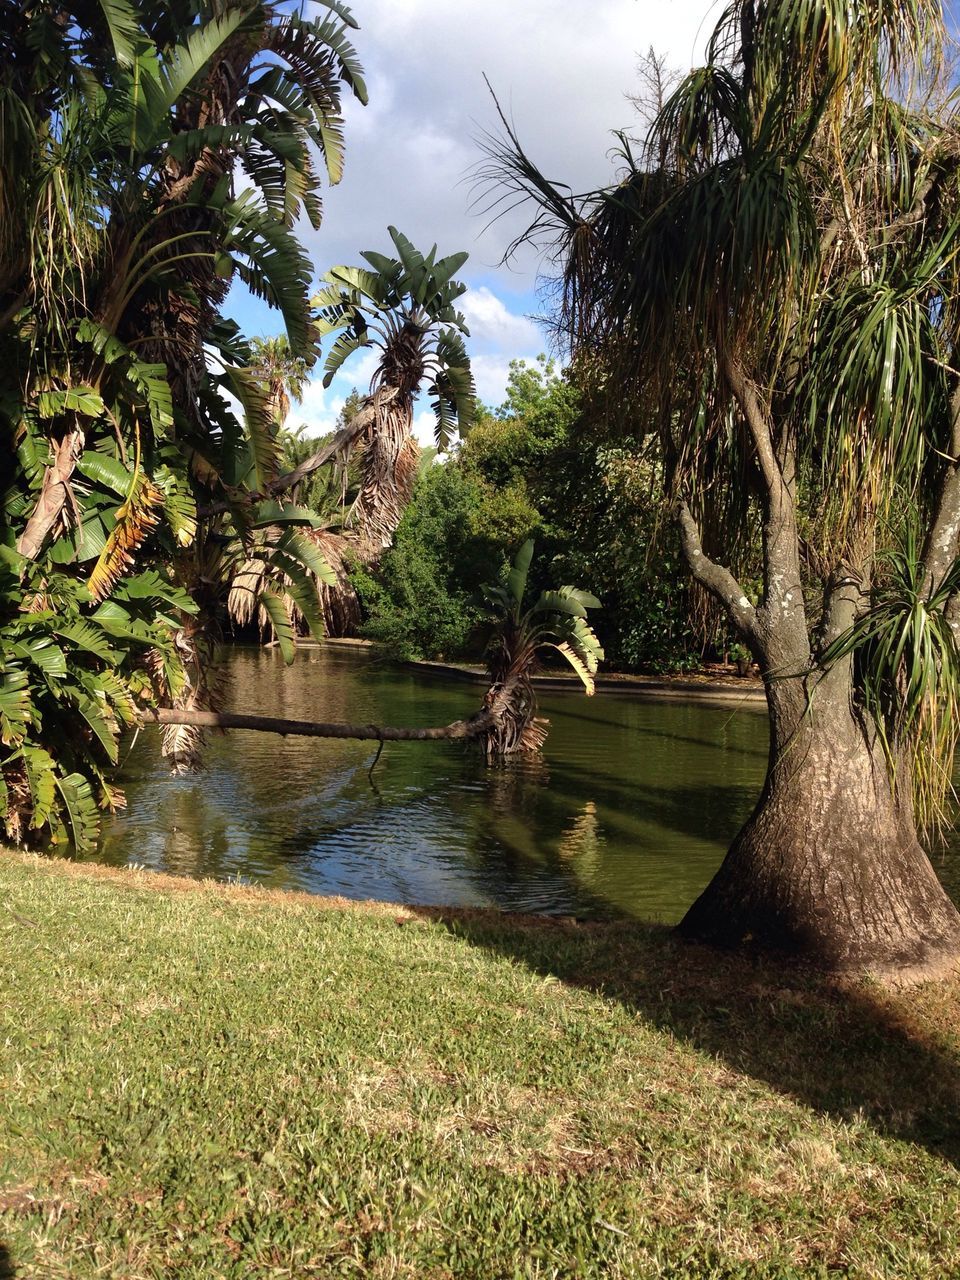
x=205, y=1080
x=715, y=688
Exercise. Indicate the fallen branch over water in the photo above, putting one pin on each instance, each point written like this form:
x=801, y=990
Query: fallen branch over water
x=458, y=729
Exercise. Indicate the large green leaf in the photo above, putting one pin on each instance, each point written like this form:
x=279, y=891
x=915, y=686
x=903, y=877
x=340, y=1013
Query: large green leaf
x=15, y=707
x=81, y=809
x=273, y=604
x=187, y=61
x=105, y=471
x=517, y=577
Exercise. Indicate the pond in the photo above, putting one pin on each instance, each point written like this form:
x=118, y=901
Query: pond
x=628, y=812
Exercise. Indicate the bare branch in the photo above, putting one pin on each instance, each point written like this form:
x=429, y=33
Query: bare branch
x=943, y=540
x=758, y=425
x=458, y=729
x=342, y=441
x=716, y=579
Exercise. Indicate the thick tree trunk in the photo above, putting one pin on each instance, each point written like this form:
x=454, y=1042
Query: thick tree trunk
x=828, y=867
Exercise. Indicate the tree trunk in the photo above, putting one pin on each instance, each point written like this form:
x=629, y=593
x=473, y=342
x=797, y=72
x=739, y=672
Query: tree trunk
x=828, y=867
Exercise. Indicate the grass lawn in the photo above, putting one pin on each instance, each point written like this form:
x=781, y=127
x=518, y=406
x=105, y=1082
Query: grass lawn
x=207, y=1081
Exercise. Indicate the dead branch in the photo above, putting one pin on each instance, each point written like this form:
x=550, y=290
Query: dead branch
x=457, y=730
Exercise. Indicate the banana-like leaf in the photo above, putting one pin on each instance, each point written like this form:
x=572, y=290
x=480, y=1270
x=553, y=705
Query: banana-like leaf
x=15, y=707
x=261, y=430
x=124, y=27
x=191, y=58
x=86, y=636
x=96, y=715
x=83, y=400
x=517, y=577
x=578, y=665
x=41, y=779
x=105, y=471
x=568, y=600
x=136, y=520
x=272, y=512
x=282, y=627
x=306, y=551
x=179, y=504
x=42, y=653
x=81, y=809
x=345, y=346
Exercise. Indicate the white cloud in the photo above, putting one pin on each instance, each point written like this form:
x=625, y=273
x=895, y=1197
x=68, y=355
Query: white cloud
x=490, y=373
x=318, y=409
x=491, y=323
x=561, y=71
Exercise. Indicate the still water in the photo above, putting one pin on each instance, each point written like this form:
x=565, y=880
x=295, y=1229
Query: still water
x=629, y=811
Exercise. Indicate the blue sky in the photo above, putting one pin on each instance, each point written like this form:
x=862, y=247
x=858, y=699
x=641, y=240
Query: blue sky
x=562, y=69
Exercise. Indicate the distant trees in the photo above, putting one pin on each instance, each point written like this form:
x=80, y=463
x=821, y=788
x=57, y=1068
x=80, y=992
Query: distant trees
x=538, y=466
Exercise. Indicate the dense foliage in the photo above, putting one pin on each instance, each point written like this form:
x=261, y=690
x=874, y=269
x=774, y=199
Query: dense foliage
x=593, y=499
x=147, y=158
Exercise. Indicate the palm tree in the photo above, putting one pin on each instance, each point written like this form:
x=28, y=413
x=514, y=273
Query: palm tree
x=404, y=307
x=775, y=279
x=130, y=487
x=557, y=620
x=283, y=374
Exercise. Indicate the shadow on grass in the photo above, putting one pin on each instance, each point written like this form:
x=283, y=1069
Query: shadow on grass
x=7, y=1271
x=847, y=1051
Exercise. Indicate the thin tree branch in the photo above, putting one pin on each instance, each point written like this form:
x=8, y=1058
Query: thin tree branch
x=943, y=539
x=759, y=427
x=715, y=578
x=344, y=438
x=912, y=216
x=782, y=619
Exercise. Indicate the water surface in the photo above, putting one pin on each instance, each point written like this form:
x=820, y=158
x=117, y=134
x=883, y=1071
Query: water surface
x=629, y=811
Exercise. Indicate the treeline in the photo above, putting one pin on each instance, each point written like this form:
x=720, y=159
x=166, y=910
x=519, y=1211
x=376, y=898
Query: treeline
x=591, y=495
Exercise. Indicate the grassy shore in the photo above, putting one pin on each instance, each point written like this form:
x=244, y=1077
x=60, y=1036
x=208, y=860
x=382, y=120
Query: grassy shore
x=207, y=1081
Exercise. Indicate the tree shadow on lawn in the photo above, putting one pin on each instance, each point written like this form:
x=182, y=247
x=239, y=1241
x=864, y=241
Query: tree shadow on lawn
x=851, y=1050
x=7, y=1271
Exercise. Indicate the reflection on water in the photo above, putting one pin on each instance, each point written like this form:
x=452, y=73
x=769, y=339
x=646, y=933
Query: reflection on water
x=629, y=811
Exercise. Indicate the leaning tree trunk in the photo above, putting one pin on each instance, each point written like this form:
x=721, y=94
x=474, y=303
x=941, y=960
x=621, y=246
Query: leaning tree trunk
x=390, y=459
x=828, y=866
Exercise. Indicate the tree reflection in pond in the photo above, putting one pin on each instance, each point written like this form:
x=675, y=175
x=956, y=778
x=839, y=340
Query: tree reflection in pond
x=628, y=812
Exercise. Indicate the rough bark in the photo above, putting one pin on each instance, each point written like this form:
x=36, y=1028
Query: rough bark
x=54, y=494
x=828, y=867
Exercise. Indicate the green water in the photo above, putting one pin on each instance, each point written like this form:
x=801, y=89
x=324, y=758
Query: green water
x=629, y=811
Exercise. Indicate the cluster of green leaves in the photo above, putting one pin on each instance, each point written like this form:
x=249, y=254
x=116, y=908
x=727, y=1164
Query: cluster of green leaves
x=556, y=620
x=907, y=668
x=529, y=469
x=423, y=599
x=405, y=307
x=72, y=673
x=132, y=487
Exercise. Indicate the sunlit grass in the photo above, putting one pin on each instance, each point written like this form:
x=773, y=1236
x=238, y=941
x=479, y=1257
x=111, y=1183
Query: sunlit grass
x=201, y=1081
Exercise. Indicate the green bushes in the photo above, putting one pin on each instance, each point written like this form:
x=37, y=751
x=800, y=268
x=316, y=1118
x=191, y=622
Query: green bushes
x=422, y=603
x=596, y=510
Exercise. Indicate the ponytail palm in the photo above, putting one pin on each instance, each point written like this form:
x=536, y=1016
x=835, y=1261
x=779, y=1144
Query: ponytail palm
x=776, y=278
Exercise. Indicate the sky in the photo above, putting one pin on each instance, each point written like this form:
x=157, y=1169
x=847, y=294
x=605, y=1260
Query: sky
x=561, y=70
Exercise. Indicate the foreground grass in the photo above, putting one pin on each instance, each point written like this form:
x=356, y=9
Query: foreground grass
x=199, y=1081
